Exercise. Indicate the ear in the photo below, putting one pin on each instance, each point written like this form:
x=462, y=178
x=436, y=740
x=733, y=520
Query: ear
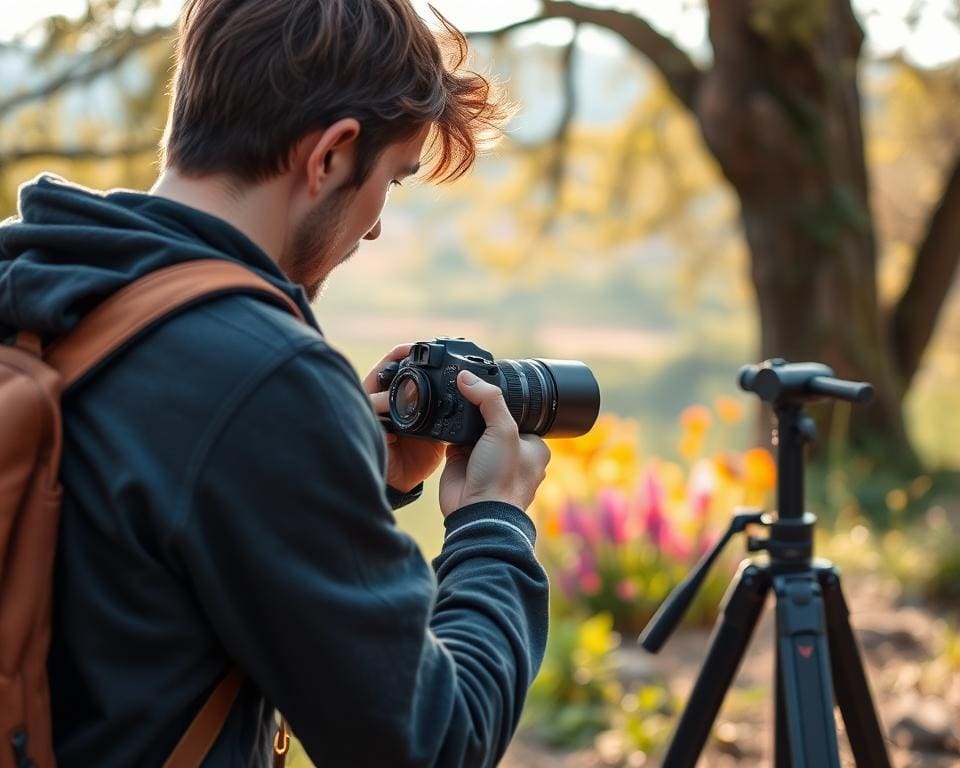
x=331, y=159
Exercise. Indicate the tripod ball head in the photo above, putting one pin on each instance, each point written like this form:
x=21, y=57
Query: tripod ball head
x=779, y=382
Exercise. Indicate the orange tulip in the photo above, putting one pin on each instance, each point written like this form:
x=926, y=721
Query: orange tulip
x=696, y=419
x=759, y=469
x=729, y=409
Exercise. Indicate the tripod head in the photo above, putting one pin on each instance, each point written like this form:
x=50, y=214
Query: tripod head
x=787, y=387
x=781, y=383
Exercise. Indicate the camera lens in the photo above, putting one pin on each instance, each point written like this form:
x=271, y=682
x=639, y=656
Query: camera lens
x=551, y=398
x=410, y=398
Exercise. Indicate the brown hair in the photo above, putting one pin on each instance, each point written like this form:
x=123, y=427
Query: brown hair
x=255, y=76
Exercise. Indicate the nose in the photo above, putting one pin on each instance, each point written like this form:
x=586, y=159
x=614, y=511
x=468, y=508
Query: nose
x=374, y=233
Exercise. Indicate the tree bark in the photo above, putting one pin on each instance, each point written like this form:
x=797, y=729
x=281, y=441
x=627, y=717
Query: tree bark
x=783, y=120
x=782, y=117
x=915, y=316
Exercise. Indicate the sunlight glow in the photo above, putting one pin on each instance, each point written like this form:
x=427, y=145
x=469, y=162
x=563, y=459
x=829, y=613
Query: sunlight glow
x=19, y=17
x=927, y=33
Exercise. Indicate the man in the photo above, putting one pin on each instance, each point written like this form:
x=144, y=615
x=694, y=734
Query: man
x=227, y=487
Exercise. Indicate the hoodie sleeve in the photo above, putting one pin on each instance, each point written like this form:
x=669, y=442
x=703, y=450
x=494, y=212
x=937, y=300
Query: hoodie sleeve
x=291, y=546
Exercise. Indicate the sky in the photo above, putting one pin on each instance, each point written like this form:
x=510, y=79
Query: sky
x=930, y=39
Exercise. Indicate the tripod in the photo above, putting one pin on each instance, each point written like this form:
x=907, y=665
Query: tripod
x=817, y=660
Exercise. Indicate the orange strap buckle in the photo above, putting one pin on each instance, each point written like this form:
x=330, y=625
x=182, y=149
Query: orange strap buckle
x=284, y=736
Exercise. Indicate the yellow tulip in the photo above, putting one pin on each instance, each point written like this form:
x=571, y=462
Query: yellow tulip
x=729, y=409
x=759, y=469
x=691, y=444
x=696, y=419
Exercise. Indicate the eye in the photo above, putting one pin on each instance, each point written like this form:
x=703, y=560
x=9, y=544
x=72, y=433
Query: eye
x=395, y=183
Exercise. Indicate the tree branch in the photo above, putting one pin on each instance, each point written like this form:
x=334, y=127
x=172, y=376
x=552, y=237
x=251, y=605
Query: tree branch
x=682, y=75
x=557, y=167
x=89, y=68
x=677, y=68
x=78, y=153
x=915, y=316
x=505, y=30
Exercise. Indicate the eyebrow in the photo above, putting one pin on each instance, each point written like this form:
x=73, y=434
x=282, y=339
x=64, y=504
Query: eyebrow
x=412, y=169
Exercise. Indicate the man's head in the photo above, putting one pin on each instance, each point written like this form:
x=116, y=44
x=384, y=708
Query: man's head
x=330, y=101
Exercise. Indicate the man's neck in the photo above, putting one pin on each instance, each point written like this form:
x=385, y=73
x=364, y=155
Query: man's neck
x=252, y=210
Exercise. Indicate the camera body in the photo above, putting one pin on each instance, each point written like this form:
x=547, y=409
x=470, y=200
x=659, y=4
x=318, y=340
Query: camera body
x=559, y=398
x=424, y=398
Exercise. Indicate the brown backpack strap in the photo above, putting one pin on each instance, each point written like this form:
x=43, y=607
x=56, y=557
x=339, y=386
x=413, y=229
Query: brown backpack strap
x=281, y=744
x=206, y=726
x=106, y=329
x=137, y=306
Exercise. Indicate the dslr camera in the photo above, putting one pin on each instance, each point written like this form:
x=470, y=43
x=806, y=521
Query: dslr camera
x=555, y=398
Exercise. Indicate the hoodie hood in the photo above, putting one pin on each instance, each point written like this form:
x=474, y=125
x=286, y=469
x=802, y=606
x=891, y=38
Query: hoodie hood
x=72, y=247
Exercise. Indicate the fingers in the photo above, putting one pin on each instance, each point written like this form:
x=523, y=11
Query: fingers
x=489, y=399
x=457, y=453
x=380, y=402
x=538, y=447
x=397, y=353
x=537, y=456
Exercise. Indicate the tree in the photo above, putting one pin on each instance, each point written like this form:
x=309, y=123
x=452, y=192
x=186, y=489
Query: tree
x=779, y=108
x=55, y=117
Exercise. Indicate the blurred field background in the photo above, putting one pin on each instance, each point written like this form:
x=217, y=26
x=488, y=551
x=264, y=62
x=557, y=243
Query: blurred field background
x=606, y=228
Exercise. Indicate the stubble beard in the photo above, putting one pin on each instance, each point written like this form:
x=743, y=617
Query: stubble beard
x=309, y=258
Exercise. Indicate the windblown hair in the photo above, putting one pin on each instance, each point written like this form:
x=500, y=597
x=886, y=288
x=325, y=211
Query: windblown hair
x=253, y=77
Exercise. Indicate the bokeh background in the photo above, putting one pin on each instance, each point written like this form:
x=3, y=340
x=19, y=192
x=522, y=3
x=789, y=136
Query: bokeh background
x=686, y=186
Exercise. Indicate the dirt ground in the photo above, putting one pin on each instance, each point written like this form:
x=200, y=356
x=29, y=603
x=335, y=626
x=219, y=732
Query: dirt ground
x=918, y=702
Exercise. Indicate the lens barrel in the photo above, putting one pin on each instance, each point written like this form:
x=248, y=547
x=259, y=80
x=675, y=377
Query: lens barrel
x=550, y=398
x=410, y=399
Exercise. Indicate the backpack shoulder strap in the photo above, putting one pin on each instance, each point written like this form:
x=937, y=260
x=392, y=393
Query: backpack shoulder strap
x=206, y=726
x=145, y=302
x=106, y=329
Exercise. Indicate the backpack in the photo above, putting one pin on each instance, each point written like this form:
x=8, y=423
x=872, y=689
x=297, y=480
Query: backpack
x=32, y=380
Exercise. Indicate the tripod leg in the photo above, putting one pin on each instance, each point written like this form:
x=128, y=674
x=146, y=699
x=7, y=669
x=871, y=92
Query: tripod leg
x=781, y=742
x=804, y=664
x=852, y=689
x=741, y=608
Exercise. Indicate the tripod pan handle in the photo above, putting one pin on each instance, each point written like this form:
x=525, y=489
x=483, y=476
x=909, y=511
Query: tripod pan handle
x=854, y=391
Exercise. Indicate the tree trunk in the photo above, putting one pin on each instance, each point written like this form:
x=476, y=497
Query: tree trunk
x=780, y=111
x=782, y=117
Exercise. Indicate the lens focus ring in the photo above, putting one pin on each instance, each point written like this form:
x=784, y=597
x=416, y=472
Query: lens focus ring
x=536, y=393
x=514, y=394
x=533, y=391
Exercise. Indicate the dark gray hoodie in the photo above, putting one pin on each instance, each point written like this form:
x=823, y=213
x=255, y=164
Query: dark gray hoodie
x=225, y=505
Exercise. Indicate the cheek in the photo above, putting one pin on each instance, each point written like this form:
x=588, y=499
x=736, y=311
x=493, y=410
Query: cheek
x=371, y=204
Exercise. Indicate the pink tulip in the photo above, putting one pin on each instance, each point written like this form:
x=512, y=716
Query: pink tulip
x=673, y=546
x=703, y=481
x=613, y=515
x=566, y=581
x=626, y=590
x=580, y=522
x=585, y=563
x=653, y=521
x=590, y=583
x=656, y=524
x=570, y=518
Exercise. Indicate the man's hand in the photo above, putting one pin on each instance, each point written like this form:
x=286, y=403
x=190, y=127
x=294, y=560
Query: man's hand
x=410, y=460
x=503, y=466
